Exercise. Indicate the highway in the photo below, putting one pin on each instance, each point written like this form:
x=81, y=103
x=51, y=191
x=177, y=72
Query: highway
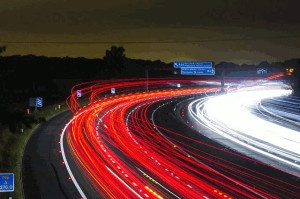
x=43, y=174
x=245, y=118
x=178, y=140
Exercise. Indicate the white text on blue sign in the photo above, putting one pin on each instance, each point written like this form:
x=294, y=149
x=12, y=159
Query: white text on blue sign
x=39, y=102
x=6, y=182
x=192, y=64
x=197, y=71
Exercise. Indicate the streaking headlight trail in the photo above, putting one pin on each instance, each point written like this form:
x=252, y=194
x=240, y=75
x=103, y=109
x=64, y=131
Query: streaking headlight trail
x=142, y=144
x=232, y=116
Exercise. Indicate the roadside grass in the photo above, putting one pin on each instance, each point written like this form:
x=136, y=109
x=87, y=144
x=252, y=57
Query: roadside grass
x=13, y=144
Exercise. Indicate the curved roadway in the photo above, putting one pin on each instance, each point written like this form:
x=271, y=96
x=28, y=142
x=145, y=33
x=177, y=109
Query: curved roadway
x=43, y=173
x=221, y=167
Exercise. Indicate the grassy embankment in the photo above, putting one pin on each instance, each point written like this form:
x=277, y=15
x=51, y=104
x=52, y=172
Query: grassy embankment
x=13, y=144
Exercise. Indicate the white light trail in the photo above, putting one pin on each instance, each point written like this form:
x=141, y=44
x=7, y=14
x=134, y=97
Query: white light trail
x=66, y=161
x=230, y=116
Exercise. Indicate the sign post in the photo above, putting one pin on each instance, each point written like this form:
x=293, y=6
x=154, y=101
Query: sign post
x=113, y=90
x=197, y=71
x=262, y=71
x=79, y=93
x=39, y=102
x=190, y=64
x=195, y=68
x=7, y=182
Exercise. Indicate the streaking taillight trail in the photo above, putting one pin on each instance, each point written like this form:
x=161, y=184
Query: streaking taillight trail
x=125, y=154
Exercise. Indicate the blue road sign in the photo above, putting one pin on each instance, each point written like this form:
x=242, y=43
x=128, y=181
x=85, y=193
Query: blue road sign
x=39, y=102
x=79, y=94
x=7, y=182
x=113, y=90
x=190, y=64
x=262, y=71
x=197, y=71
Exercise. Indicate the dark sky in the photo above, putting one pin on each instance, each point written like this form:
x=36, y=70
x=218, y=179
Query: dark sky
x=244, y=31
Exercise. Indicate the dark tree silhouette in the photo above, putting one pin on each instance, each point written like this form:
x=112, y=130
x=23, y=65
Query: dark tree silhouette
x=3, y=72
x=114, y=60
x=2, y=49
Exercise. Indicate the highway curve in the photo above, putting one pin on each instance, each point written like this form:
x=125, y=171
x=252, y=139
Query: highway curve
x=43, y=175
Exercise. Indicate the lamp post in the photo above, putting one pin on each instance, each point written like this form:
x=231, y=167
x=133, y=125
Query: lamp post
x=147, y=79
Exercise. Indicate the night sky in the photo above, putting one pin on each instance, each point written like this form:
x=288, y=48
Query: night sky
x=240, y=31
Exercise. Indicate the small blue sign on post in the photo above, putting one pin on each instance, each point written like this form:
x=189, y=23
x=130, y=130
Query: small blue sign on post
x=7, y=182
x=39, y=102
x=113, y=90
x=197, y=71
x=190, y=64
x=262, y=71
x=79, y=94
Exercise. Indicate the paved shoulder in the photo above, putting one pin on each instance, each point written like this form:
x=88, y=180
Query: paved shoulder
x=43, y=174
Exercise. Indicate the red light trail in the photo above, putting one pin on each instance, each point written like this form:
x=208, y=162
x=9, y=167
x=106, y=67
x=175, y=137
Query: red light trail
x=125, y=154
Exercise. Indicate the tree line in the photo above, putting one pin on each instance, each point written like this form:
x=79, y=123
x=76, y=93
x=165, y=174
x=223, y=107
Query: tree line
x=22, y=77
